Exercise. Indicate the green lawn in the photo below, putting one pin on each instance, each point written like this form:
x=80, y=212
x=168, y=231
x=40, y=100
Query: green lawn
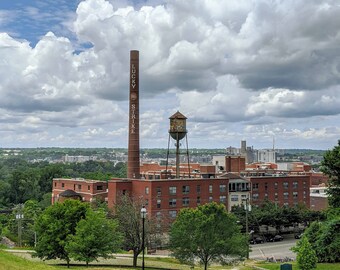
x=23, y=261
x=320, y=266
x=12, y=262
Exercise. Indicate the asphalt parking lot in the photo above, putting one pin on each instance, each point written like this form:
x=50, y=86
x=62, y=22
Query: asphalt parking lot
x=278, y=250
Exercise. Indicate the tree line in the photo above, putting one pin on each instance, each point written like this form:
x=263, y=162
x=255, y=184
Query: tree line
x=21, y=180
x=271, y=215
x=321, y=240
x=84, y=232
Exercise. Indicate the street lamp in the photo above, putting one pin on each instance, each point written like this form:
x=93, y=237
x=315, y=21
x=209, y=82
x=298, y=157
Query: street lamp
x=143, y=216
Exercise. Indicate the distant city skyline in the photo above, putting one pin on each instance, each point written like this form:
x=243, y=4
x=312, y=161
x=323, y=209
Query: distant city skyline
x=238, y=70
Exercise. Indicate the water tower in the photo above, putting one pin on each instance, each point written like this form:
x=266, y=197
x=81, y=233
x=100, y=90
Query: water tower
x=177, y=132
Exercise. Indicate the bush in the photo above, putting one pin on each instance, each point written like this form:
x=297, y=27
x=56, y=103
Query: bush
x=306, y=257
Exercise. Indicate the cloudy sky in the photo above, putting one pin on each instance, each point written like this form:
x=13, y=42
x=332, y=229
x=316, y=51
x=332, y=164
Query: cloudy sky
x=239, y=70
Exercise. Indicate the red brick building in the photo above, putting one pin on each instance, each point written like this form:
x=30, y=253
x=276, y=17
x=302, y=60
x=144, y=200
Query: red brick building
x=166, y=197
x=87, y=189
x=285, y=190
x=318, y=198
x=233, y=164
x=317, y=179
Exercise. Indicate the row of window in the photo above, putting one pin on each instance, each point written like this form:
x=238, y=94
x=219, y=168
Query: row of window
x=285, y=185
x=186, y=201
x=186, y=189
x=295, y=195
x=78, y=187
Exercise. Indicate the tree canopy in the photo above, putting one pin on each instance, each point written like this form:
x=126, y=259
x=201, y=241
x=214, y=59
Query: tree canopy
x=21, y=180
x=54, y=227
x=96, y=236
x=270, y=214
x=331, y=167
x=306, y=256
x=208, y=233
x=127, y=211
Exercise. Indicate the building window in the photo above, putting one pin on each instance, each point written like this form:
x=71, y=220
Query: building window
x=99, y=187
x=295, y=195
x=295, y=185
x=266, y=186
x=276, y=196
x=185, y=201
x=62, y=185
x=223, y=199
x=285, y=185
x=172, y=213
x=198, y=189
x=285, y=195
x=285, y=204
x=159, y=203
x=266, y=196
x=146, y=190
x=255, y=196
x=198, y=200
x=79, y=187
x=234, y=198
x=88, y=187
x=276, y=185
x=172, y=190
x=158, y=215
x=55, y=184
x=172, y=202
x=185, y=189
x=210, y=198
x=210, y=188
x=255, y=186
x=159, y=191
x=223, y=188
x=304, y=195
x=146, y=202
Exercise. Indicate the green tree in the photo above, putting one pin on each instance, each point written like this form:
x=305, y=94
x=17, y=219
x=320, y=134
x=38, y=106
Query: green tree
x=331, y=167
x=328, y=241
x=55, y=225
x=31, y=212
x=208, y=233
x=306, y=257
x=324, y=238
x=313, y=232
x=96, y=236
x=130, y=224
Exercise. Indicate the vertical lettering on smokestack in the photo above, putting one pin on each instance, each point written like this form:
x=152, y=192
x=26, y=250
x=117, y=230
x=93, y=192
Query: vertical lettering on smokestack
x=133, y=151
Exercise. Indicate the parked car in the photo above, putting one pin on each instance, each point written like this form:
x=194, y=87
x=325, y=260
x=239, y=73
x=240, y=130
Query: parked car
x=298, y=235
x=257, y=240
x=274, y=238
x=278, y=238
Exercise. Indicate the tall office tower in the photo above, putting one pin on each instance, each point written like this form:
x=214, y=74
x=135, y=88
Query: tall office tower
x=243, y=147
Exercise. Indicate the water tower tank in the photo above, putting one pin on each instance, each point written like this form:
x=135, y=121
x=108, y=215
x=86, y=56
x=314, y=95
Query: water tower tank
x=178, y=123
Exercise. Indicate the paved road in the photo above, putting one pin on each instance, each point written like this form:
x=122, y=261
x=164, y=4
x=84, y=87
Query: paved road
x=278, y=250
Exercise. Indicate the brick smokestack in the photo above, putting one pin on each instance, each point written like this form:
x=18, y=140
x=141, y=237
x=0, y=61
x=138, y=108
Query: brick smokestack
x=133, y=170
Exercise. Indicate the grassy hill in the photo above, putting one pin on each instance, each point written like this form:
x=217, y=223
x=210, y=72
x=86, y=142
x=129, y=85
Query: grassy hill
x=12, y=262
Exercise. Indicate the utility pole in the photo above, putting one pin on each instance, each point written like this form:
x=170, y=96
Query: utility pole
x=19, y=217
x=247, y=208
